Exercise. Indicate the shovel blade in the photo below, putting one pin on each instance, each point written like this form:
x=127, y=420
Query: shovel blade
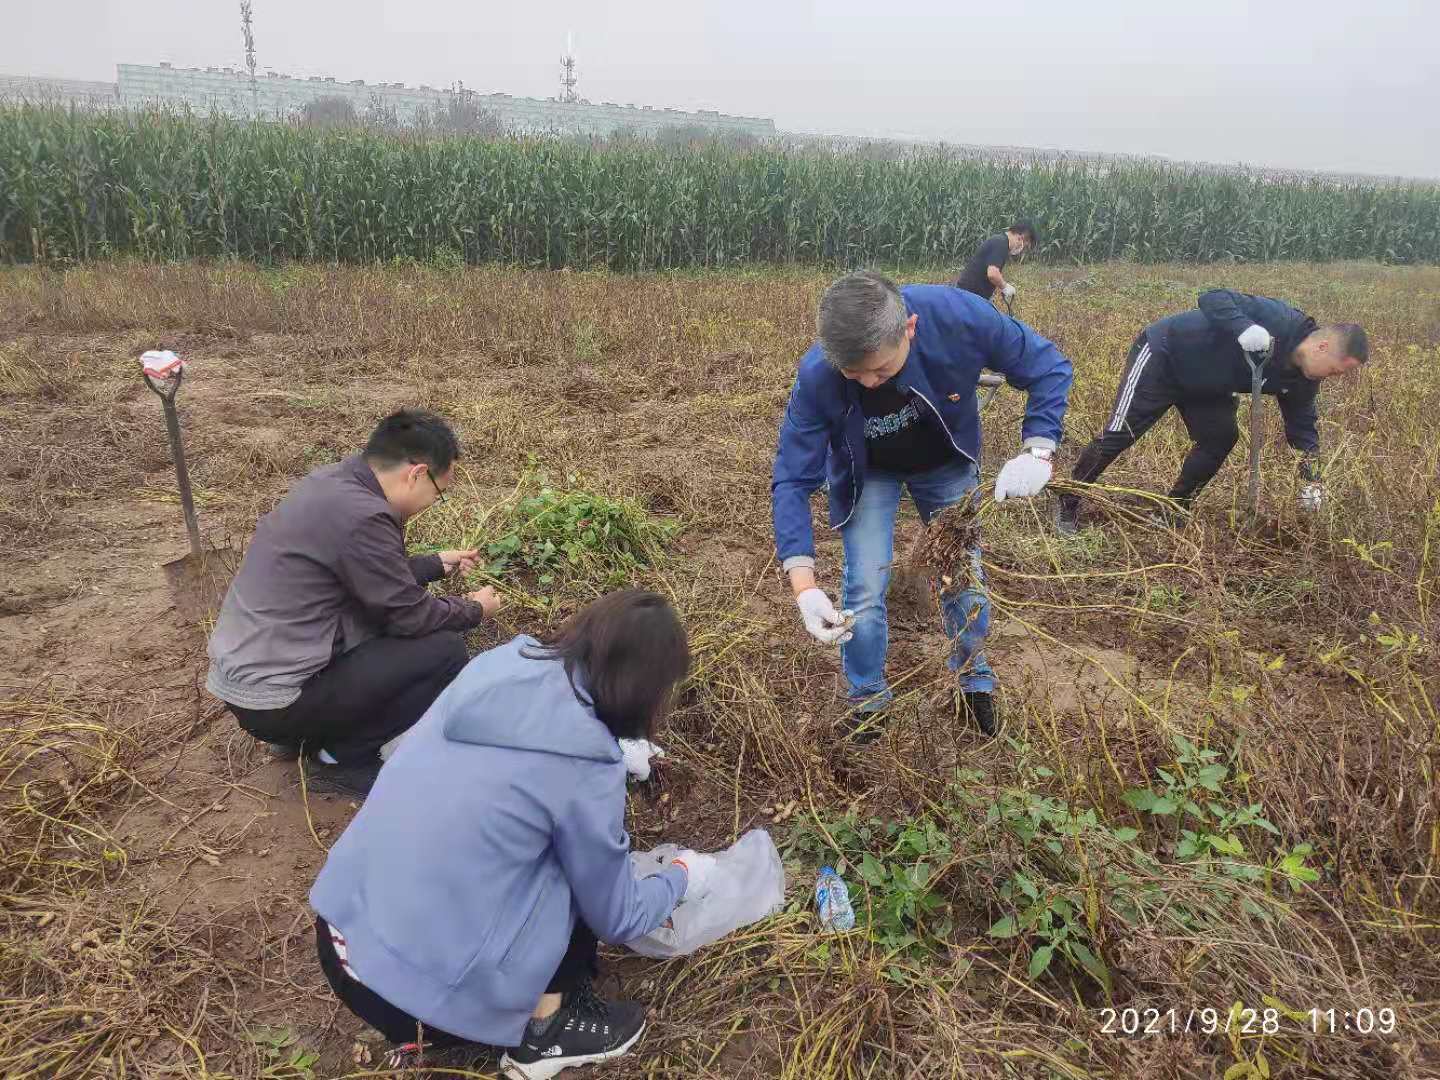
x=198, y=583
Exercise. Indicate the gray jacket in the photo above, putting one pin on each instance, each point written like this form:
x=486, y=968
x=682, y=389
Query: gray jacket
x=499, y=820
x=325, y=572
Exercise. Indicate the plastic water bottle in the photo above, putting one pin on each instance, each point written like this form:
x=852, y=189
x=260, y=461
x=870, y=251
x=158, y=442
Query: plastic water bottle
x=833, y=900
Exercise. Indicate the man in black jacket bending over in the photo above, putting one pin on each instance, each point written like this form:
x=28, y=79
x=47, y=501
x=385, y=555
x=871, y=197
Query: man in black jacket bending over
x=1196, y=362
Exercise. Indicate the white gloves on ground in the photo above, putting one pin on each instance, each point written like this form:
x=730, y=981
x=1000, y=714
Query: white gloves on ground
x=1312, y=497
x=1008, y=291
x=699, y=870
x=1256, y=339
x=826, y=625
x=1021, y=477
x=637, y=754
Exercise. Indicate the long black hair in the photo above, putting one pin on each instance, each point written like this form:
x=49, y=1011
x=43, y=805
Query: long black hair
x=629, y=650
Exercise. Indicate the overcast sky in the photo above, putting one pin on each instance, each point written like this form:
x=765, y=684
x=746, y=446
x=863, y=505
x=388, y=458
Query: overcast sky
x=1322, y=84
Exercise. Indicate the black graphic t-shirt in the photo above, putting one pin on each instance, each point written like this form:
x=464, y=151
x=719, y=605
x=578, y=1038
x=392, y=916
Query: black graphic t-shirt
x=975, y=277
x=902, y=434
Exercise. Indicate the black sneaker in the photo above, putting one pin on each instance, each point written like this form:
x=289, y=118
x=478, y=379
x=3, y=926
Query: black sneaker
x=584, y=1031
x=979, y=706
x=1067, y=515
x=863, y=726
x=353, y=780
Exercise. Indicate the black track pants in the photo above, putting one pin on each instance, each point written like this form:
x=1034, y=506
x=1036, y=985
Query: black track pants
x=1145, y=395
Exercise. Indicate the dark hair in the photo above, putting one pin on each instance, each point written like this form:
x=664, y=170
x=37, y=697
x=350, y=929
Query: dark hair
x=1353, y=340
x=859, y=313
x=413, y=436
x=1024, y=228
x=628, y=649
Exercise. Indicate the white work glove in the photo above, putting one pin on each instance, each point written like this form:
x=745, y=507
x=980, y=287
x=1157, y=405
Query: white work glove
x=637, y=754
x=1256, y=339
x=1008, y=291
x=1021, y=477
x=699, y=870
x=1312, y=497
x=826, y=625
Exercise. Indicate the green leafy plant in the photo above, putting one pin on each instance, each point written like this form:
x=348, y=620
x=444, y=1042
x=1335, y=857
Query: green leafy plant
x=1291, y=867
x=285, y=1058
x=567, y=529
x=897, y=863
x=1046, y=901
x=1165, y=598
x=1209, y=830
x=1052, y=919
x=447, y=257
x=1045, y=911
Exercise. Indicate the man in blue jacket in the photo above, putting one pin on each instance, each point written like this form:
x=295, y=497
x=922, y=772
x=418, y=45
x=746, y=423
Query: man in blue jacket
x=1196, y=362
x=885, y=401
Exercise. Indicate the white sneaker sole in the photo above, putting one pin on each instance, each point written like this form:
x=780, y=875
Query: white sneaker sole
x=546, y=1068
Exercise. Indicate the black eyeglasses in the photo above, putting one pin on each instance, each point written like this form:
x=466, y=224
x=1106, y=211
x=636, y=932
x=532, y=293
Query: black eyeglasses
x=440, y=493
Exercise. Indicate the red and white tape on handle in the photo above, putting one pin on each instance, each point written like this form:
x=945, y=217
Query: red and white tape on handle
x=161, y=364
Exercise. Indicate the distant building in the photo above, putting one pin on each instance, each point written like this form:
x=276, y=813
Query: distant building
x=65, y=91
x=229, y=91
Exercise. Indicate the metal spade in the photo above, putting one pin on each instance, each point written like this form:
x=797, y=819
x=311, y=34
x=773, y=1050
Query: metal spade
x=198, y=580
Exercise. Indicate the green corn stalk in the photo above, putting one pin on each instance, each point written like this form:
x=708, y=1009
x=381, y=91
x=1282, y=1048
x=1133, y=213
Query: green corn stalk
x=78, y=184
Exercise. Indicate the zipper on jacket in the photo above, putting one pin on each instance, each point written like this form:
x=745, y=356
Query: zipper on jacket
x=854, y=471
x=944, y=426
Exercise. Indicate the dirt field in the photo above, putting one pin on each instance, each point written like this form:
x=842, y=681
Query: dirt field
x=154, y=865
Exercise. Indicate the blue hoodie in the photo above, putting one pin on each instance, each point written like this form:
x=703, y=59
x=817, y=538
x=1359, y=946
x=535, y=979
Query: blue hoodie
x=822, y=438
x=500, y=818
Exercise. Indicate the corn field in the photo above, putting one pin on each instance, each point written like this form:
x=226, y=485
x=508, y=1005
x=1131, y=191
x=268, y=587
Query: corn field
x=77, y=185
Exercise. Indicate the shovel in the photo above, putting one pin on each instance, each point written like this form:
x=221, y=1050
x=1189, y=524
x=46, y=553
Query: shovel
x=1257, y=381
x=992, y=384
x=198, y=580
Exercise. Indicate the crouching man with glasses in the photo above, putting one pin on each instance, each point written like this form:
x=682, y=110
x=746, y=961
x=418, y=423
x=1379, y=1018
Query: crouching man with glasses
x=328, y=642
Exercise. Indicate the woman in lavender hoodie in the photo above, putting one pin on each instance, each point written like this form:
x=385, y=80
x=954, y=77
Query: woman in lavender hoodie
x=463, y=903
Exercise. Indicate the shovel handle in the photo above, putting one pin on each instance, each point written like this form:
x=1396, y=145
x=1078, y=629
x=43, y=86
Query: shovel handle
x=1257, y=382
x=177, y=451
x=992, y=384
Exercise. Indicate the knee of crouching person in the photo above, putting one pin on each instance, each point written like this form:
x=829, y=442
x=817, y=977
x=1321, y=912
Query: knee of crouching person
x=452, y=651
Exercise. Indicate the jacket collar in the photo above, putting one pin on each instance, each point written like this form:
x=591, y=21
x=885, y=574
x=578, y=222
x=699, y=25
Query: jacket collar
x=358, y=469
x=913, y=375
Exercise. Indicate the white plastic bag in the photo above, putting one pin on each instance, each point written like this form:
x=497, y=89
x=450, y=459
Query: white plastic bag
x=747, y=885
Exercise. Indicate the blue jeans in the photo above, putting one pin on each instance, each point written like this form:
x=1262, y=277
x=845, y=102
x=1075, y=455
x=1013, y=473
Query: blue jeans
x=870, y=549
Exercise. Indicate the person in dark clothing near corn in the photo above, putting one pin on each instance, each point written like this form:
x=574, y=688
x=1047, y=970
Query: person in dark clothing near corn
x=1196, y=362
x=984, y=273
x=328, y=641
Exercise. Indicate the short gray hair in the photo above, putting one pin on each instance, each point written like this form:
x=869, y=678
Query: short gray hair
x=859, y=313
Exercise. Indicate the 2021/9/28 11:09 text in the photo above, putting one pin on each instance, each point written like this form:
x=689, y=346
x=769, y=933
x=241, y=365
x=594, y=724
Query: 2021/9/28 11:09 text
x=1208, y=1020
